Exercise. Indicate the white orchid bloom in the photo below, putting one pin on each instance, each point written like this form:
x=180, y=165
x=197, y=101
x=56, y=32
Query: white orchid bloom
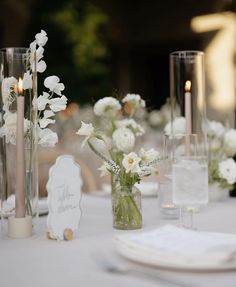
x=131, y=163
x=33, y=46
x=47, y=138
x=54, y=85
x=85, y=130
x=41, y=66
x=7, y=87
x=41, y=38
x=41, y=102
x=124, y=139
x=45, y=121
x=58, y=104
x=27, y=81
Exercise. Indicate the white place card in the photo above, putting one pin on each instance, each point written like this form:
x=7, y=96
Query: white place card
x=64, y=194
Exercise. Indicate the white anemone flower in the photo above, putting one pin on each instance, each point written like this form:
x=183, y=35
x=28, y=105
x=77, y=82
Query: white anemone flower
x=86, y=130
x=135, y=100
x=58, y=104
x=107, y=106
x=27, y=81
x=41, y=102
x=124, y=139
x=41, y=38
x=131, y=163
x=47, y=138
x=148, y=156
x=54, y=85
x=227, y=170
x=230, y=142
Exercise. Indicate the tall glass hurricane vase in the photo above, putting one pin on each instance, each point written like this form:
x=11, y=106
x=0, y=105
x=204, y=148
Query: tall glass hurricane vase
x=187, y=91
x=18, y=135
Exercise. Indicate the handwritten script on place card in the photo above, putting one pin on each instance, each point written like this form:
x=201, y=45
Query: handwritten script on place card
x=64, y=194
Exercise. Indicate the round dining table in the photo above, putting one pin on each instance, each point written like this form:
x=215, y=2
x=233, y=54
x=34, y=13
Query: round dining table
x=92, y=259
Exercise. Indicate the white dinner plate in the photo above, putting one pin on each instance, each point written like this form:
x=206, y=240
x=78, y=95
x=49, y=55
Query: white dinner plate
x=147, y=188
x=131, y=249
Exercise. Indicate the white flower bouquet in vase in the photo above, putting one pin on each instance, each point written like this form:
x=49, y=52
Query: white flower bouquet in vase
x=114, y=143
x=221, y=166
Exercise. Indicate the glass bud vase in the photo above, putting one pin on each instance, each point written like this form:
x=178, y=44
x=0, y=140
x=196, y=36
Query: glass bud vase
x=18, y=141
x=126, y=207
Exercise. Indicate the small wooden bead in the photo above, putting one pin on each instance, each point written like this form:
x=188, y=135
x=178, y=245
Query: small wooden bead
x=68, y=234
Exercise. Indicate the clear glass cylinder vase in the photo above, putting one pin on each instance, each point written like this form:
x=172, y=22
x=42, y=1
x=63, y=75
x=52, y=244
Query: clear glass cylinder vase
x=18, y=134
x=187, y=91
x=126, y=207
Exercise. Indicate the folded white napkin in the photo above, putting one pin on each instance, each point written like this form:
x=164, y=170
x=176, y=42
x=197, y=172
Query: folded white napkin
x=178, y=247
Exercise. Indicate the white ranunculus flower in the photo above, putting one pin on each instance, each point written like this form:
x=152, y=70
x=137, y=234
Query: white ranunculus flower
x=148, y=156
x=47, y=138
x=124, y=139
x=214, y=144
x=54, y=85
x=230, y=142
x=107, y=106
x=131, y=163
x=227, y=170
x=135, y=100
x=179, y=127
x=41, y=102
x=27, y=81
x=215, y=129
x=131, y=124
x=58, y=104
x=155, y=118
x=104, y=169
x=41, y=38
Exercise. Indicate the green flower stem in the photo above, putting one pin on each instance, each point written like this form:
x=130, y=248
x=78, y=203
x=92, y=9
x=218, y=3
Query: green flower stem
x=126, y=213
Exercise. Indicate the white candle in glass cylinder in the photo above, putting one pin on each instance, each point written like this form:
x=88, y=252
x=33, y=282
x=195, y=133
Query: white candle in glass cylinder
x=188, y=109
x=20, y=154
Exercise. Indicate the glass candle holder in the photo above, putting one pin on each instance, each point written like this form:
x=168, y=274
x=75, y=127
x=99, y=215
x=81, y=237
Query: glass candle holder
x=18, y=137
x=187, y=91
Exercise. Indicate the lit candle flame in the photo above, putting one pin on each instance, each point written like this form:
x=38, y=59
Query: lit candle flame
x=20, y=86
x=187, y=86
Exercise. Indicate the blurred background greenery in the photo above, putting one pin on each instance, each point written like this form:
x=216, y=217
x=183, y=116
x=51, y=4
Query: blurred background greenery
x=102, y=47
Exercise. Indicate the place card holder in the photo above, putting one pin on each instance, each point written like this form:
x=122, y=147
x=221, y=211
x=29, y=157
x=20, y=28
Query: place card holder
x=64, y=195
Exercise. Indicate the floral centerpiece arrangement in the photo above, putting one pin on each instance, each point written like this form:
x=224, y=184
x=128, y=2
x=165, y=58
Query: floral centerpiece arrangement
x=221, y=151
x=19, y=81
x=115, y=144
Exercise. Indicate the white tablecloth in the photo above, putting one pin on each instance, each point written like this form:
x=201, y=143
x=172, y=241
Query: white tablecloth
x=41, y=262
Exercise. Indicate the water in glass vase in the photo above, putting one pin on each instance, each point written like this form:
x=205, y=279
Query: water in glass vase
x=126, y=208
x=190, y=182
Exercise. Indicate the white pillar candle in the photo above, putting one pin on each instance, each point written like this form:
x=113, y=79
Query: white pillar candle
x=20, y=155
x=188, y=108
